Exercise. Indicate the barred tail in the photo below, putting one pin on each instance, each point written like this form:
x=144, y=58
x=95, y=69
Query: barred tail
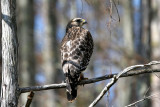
x=71, y=88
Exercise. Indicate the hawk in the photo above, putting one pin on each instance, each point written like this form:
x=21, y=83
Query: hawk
x=76, y=50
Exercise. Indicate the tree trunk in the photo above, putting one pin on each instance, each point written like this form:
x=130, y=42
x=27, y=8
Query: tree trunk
x=9, y=88
x=0, y=49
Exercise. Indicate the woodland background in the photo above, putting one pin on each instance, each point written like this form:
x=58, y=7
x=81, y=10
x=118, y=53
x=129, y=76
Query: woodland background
x=124, y=38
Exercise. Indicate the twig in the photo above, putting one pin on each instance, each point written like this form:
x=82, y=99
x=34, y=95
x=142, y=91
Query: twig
x=106, y=88
x=93, y=80
x=116, y=10
x=143, y=99
x=156, y=75
x=115, y=78
x=139, y=66
x=146, y=91
x=29, y=99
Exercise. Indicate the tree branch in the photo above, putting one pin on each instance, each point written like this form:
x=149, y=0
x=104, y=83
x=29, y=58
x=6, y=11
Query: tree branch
x=144, y=69
x=143, y=99
x=29, y=99
x=106, y=88
x=115, y=79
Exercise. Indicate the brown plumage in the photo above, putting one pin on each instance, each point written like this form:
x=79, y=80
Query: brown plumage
x=76, y=50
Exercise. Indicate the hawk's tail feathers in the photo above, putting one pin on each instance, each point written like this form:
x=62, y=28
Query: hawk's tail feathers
x=72, y=96
x=71, y=89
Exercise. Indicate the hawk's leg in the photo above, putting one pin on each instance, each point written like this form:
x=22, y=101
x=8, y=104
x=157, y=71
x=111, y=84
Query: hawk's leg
x=82, y=78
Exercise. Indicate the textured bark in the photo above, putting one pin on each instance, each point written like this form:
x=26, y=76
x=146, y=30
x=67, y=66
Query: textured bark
x=0, y=48
x=26, y=50
x=9, y=93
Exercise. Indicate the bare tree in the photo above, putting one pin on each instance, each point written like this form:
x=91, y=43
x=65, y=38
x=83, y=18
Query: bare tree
x=9, y=93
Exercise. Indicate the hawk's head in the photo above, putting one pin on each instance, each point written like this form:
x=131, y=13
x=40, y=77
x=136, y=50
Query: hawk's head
x=76, y=22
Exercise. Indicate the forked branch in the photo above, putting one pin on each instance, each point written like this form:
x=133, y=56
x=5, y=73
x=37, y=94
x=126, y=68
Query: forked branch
x=134, y=70
x=115, y=79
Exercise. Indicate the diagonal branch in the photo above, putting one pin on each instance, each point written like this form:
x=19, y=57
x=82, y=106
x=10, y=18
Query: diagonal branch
x=29, y=99
x=116, y=77
x=106, y=89
x=143, y=69
x=143, y=99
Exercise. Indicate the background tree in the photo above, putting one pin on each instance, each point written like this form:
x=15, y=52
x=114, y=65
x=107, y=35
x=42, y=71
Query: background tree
x=138, y=22
x=155, y=27
x=25, y=20
x=50, y=53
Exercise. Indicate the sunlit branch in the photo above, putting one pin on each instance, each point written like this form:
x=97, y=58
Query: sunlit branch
x=136, y=70
x=143, y=99
x=115, y=79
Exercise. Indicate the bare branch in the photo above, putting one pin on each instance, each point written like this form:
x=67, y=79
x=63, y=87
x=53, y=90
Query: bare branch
x=106, y=89
x=89, y=81
x=136, y=71
x=29, y=99
x=43, y=87
x=143, y=99
x=115, y=79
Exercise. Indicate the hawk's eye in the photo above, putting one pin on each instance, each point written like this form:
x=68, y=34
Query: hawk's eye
x=78, y=20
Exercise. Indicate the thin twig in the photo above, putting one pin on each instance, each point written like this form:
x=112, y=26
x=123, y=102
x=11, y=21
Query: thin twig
x=145, y=98
x=29, y=99
x=103, y=92
x=139, y=66
x=156, y=75
x=146, y=91
x=115, y=79
x=116, y=10
x=93, y=80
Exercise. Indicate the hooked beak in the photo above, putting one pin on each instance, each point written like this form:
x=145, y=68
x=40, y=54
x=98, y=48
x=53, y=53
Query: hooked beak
x=84, y=21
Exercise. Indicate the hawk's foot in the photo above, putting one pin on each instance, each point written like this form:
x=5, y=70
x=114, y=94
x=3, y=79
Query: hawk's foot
x=82, y=78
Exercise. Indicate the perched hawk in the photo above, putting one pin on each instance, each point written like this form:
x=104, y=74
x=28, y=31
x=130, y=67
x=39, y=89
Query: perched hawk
x=76, y=50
